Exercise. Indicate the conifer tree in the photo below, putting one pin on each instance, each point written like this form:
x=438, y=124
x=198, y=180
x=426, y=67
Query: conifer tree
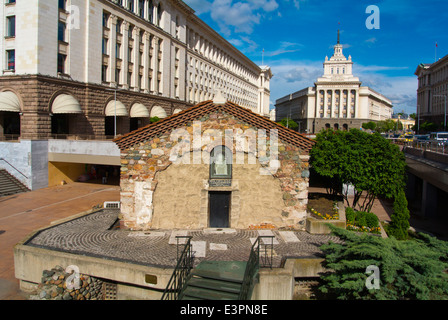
x=400, y=218
x=410, y=269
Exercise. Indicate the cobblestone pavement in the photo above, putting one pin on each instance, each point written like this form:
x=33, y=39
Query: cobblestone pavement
x=93, y=235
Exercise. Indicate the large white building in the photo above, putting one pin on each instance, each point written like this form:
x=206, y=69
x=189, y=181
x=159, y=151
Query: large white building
x=88, y=70
x=432, y=93
x=337, y=100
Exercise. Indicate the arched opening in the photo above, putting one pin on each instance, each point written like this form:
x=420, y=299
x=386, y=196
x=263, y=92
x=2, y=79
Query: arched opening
x=64, y=111
x=345, y=127
x=139, y=116
x=9, y=115
x=115, y=117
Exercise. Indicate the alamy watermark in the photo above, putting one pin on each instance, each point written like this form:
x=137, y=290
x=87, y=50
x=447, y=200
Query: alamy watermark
x=373, y=20
x=73, y=281
x=254, y=143
x=373, y=281
x=73, y=17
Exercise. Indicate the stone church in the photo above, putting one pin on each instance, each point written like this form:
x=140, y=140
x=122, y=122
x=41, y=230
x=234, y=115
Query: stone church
x=214, y=165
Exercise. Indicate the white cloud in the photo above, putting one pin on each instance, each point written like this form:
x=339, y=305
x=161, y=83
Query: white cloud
x=234, y=16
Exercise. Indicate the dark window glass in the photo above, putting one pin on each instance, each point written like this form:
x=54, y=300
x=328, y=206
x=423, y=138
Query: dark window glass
x=61, y=62
x=11, y=57
x=11, y=26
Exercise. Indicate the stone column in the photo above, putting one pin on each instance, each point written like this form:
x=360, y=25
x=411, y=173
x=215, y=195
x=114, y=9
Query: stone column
x=325, y=102
x=146, y=62
x=155, y=60
x=125, y=60
x=112, y=49
x=136, y=71
x=333, y=103
x=357, y=102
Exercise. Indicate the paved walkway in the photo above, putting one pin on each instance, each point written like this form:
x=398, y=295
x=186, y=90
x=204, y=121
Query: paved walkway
x=23, y=213
x=92, y=235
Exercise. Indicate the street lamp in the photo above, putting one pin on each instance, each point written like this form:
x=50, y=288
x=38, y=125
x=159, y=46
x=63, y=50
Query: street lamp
x=115, y=108
x=444, y=118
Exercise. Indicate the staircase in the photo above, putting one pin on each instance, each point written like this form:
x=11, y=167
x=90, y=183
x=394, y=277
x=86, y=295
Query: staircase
x=214, y=280
x=9, y=184
x=218, y=280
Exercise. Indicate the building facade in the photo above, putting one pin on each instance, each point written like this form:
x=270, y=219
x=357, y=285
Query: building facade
x=337, y=100
x=432, y=92
x=212, y=166
x=95, y=69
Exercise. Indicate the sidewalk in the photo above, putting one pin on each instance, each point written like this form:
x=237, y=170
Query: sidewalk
x=23, y=213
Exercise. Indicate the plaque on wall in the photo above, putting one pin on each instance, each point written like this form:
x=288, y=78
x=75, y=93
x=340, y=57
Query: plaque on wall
x=220, y=182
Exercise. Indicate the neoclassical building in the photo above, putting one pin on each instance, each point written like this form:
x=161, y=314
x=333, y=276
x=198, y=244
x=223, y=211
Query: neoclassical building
x=432, y=92
x=337, y=100
x=89, y=70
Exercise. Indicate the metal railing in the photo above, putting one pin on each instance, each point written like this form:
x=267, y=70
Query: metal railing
x=260, y=256
x=181, y=271
x=434, y=146
x=3, y=159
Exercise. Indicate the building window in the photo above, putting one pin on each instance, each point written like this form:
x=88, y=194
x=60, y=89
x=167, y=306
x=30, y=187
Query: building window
x=131, y=5
x=221, y=163
x=104, y=73
x=104, y=46
x=11, y=26
x=117, y=75
x=61, y=31
x=61, y=4
x=61, y=62
x=105, y=19
x=141, y=8
x=118, y=26
x=117, y=51
x=11, y=59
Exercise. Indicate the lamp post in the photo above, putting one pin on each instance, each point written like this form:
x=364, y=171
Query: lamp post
x=115, y=109
x=444, y=118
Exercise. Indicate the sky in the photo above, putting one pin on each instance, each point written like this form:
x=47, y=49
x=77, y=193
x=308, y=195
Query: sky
x=293, y=37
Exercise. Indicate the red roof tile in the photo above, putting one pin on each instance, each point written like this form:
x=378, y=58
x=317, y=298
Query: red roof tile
x=195, y=112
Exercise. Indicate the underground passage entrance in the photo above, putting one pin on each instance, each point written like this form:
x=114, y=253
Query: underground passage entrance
x=219, y=209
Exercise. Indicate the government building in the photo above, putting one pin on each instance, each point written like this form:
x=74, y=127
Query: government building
x=432, y=92
x=77, y=73
x=337, y=100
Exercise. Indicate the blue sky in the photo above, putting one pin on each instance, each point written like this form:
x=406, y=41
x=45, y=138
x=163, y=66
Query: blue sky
x=296, y=35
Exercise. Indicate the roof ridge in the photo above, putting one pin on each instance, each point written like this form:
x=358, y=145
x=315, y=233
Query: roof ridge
x=206, y=107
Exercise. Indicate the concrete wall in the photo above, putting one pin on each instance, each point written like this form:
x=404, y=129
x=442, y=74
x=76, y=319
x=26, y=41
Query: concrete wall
x=30, y=157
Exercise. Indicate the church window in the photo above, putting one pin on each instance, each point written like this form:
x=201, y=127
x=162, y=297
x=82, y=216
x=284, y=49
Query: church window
x=221, y=163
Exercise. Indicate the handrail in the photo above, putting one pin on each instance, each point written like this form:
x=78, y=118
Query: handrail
x=253, y=264
x=181, y=271
x=14, y=167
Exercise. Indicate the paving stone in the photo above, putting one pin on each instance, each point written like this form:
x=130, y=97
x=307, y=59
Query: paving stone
x=218, y=246
x=288, y=236
x=90, y=235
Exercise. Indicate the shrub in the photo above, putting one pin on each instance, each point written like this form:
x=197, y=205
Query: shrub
x=409, y=269
x=361, y=221
x=400, y=218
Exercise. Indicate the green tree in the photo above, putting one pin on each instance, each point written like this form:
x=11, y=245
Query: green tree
x=400, y=218
x=154, y=119
x=289, y=123
x=369, y=125
x=370, y=163
x=385, y=126
x=410, y=269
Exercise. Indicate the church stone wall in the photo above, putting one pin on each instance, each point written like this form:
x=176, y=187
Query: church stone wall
x=164, y=186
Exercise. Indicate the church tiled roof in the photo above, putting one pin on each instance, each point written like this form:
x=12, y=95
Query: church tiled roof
x=196, y=112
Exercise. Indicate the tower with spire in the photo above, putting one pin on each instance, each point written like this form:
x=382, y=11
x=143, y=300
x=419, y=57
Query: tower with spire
x=338, y=67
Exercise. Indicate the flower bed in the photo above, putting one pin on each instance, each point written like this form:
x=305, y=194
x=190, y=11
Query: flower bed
x=323, y=206
x=362, y=221
x=324, y=209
